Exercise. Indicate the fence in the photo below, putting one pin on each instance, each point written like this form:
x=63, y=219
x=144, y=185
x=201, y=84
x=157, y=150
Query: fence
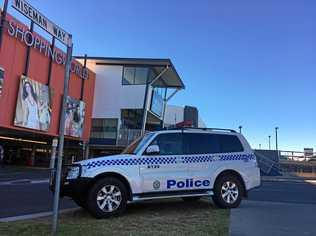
x=126, y=136
x=273, y=162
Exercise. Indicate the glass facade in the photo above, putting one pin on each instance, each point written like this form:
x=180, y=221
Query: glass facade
x=135, y=75
x=104, y=128
x=131, y=118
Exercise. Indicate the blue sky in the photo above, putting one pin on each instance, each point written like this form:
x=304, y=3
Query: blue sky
x=246, y=62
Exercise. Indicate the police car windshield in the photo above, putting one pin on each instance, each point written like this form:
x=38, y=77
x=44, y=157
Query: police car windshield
x=135, y=146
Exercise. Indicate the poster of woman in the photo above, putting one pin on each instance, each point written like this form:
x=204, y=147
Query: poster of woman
x=33, y=108
x=75, y=113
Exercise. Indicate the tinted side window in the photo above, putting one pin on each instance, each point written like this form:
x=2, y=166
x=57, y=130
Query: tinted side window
x=169, y=144
x=230, y=143
x=197, y=143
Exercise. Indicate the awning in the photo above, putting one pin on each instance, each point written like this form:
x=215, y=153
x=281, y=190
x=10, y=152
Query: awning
x=169, y=79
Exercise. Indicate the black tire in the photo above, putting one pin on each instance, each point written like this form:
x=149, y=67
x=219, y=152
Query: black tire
x=191, y=199
x=218, y=198
x=93, y=205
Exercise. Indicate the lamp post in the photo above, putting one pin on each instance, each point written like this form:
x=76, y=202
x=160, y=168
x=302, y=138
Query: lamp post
x=240, y=127
x=269, y=142
x=276, y=138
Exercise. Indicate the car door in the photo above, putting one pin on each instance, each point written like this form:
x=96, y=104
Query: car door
x=163, y=171
x=201, y=149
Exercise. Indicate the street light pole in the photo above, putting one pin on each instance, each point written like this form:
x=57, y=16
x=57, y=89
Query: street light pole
x=269, y=142
x=240, y=127
x=276, y=138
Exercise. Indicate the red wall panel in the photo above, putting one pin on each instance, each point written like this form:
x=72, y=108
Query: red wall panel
x=12, y=59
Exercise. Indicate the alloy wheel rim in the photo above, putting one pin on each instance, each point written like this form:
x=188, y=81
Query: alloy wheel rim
x=229, y=192
x=109, y=198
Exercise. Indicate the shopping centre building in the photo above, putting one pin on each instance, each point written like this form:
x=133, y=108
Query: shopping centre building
x=32, y=73
x=130, y=97
x=111, y=101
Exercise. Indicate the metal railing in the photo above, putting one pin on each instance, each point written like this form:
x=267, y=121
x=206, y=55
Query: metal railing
x=127, y=136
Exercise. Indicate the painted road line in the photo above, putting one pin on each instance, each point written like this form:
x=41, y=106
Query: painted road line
x=24, y=181
x=289, y=180
x=36, y=215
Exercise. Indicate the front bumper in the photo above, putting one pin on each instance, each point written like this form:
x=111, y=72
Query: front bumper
x=70, y=187
x=75, y=187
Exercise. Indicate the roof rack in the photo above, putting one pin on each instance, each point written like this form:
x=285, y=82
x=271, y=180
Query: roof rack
x=206, y=129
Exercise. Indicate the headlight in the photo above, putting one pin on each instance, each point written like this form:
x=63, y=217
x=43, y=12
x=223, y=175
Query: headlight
x=73, y=172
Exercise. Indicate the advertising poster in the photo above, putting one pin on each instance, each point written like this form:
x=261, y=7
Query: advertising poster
x=75, y=113
x=33, y=108
x=1, y=80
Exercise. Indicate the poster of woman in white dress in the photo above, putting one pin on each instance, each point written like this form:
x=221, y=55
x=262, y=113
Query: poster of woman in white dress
x=75, y=113
x=33, y=108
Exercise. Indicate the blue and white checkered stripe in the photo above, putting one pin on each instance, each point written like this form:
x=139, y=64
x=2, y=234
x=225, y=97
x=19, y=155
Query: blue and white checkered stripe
x=133, y=161
x=170, y=160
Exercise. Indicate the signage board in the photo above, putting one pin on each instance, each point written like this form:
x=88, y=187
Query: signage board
x=38, y=18
x=308, y=152
x=33, y=40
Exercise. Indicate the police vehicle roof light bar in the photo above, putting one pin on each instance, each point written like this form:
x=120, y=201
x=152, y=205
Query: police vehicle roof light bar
x=206, y=129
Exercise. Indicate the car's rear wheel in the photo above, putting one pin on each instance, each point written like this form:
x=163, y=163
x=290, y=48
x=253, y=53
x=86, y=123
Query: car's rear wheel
x=106, y=198
x=228, y=192
x=191, y=199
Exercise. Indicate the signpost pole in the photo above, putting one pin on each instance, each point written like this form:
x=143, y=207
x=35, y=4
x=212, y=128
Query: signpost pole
x=61, y=140
x=53, y=160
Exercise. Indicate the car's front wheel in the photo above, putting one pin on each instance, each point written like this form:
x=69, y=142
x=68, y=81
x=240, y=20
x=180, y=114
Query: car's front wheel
x=228, y=192
x=106, y=198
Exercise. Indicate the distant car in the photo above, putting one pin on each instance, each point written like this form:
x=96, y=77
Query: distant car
x=186, y=163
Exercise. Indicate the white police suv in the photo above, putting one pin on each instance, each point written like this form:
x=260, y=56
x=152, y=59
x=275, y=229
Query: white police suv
x=187, y=163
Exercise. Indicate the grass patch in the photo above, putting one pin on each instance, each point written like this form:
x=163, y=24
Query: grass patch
x=168, y=217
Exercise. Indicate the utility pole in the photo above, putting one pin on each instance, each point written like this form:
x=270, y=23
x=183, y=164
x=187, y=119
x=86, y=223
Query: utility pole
x=240, y=127
x=269, y=142
x=276, y=138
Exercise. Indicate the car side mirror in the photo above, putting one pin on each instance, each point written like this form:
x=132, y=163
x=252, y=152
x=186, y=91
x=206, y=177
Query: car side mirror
x=152, y=150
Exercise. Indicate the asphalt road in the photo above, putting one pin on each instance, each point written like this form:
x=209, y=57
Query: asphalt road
x=27, y=198
x=277, y=208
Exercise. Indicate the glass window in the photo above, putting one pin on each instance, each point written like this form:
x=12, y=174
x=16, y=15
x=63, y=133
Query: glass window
x=128, y=75
x=134, y=75
x=230, y=143
x=169, y=144
x=132, y=118
x=104, y=128
x=199, y=143
x=141, y=74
